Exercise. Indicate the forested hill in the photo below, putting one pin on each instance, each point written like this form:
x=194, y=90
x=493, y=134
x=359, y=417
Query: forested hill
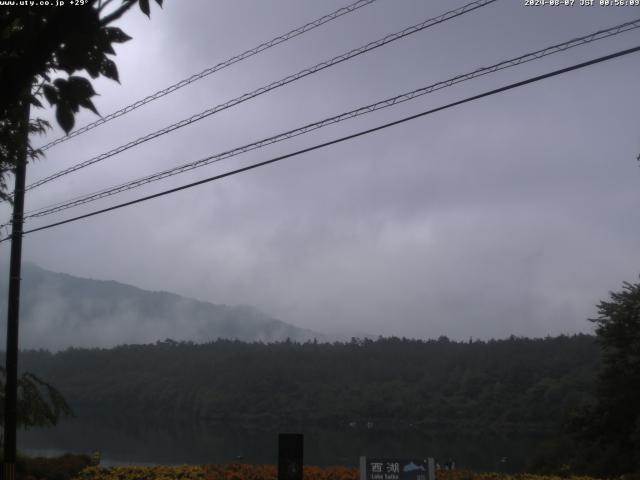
x=513, y=385
x=60, y=310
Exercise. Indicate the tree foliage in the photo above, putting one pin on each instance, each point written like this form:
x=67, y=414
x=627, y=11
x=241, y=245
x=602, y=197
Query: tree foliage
x=602, y=437
x=39, y=403
x=618, y=394
x=515, y=385
x=610, y=428
x=48, y=53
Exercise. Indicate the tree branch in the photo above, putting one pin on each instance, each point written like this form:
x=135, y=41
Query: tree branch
x=127, y=4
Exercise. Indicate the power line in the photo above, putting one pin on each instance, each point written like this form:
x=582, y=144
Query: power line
x=339, y=140
x=286, y=80
x=208, y=71
x=601, y=34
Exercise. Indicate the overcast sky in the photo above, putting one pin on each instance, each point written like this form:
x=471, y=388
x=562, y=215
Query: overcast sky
x=514, y=214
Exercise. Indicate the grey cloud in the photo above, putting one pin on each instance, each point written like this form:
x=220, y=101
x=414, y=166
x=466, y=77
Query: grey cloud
x=514, y=214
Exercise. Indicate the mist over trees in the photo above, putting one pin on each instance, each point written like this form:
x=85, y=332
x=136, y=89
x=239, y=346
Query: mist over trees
x=60, y=310
x=579, y=392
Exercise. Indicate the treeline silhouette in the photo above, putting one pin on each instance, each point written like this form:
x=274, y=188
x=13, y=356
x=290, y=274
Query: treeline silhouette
x=512, y=385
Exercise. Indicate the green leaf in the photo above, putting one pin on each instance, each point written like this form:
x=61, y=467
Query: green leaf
x=51, y=94
x=144, y=6
x=39, y=126
x=39, y=403
x=73, y=93
x=109, y=69
x=72, y=57
x=92, y=65
x=60, y=83
x=86, y=103
x=115, y=35
x=80, y=87
x=65, y=117
x=107, y=48
x=35, y=102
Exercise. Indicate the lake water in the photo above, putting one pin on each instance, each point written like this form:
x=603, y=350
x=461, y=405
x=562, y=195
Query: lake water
x=129, y=442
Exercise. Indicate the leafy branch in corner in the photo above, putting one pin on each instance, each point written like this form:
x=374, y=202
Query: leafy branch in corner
x=39, y=403
x=42, y=51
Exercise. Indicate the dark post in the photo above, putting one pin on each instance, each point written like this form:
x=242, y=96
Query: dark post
x=290, y=450
x=13, y=311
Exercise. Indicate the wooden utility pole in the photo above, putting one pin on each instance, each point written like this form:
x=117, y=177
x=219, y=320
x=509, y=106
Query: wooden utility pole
x=13, y=311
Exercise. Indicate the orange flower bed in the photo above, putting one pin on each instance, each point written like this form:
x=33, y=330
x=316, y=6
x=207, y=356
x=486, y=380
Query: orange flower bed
x=469, y=475
x=270, y=472
x=234, y=471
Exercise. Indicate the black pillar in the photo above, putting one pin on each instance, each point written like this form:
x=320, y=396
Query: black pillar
x=290, y=451
x=13, y=310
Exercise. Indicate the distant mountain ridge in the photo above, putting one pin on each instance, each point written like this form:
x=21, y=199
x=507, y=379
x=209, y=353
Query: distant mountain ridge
x=59, y=310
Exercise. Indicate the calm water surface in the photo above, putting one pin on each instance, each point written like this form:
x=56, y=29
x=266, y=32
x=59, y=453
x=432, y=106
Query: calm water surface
x=128, y=442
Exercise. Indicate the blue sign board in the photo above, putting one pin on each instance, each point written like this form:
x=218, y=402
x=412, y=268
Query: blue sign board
x=396, y=469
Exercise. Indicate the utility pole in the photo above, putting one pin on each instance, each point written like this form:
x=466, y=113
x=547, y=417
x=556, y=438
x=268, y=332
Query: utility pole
x=13, y=311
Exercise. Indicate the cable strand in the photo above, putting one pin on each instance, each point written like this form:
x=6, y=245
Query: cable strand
x=339, y=140
x=208, y=71
x=272, y=86
x=398, y=99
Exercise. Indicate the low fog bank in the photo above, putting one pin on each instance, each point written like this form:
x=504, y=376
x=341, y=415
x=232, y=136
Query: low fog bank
x=60, y=311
